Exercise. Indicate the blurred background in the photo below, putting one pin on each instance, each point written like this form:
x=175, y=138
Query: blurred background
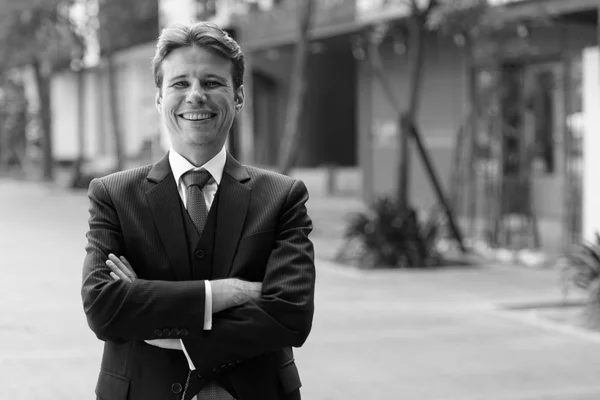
x=450, y=148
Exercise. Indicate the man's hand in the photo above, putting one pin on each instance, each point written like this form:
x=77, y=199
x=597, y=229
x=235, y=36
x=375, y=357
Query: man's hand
x=120, y=268
x=231, y=292
x=226, y=293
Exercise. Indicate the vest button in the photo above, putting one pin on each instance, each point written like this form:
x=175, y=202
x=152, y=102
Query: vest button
x=199, y=254
x=176, y=388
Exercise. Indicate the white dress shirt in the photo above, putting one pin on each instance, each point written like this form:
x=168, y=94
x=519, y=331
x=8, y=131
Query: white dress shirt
x=215, y=166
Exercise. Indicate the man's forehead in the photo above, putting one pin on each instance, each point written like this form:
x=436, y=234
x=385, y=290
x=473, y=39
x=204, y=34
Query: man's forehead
x=194, y=61
x=194, y=68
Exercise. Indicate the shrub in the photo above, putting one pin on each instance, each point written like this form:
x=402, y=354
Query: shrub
x=583, y=263
x=582, y=269
x=390, y=235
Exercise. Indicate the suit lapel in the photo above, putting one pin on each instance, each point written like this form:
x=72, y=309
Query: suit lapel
x=234, y=198
x=165, y=204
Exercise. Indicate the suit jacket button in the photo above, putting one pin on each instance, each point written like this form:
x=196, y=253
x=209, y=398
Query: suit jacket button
x=158, y=333
x=199, y=254
x=166, y=332
x=176, y=388
x=184, y=332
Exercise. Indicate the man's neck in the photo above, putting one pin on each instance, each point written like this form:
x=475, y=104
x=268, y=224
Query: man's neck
x=199, y=156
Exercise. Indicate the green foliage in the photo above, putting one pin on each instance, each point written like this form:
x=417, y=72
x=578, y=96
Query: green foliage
x=490, y=27
x=123, y=24
x=38, y=31
x=460, y=16
x=583, y=264
x=389, y=235
x=581, y=268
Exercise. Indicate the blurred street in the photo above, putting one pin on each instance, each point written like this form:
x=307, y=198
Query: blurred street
x=388, y=334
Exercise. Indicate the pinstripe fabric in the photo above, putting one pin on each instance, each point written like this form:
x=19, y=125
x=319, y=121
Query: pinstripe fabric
x=261, y=235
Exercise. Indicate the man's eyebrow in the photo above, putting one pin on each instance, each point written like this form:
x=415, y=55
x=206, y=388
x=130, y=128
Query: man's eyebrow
x=177, y=77
x=210, y=76
x=216, y=76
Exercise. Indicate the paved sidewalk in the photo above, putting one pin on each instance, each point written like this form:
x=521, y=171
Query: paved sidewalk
x=415, y=335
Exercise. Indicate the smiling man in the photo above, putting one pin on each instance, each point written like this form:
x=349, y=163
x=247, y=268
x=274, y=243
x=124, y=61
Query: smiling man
x=199, y=274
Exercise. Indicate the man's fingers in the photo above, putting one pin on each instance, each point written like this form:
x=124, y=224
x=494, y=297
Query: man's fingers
x=127, y=270
x=129, y=267
x=114, y=276
x=116, y=271
x=124, y=260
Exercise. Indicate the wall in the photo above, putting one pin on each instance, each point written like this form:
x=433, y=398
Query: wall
x=443, y=107
x=63, y=93
x=139, y=119
x=591, y=165
x=441, y=112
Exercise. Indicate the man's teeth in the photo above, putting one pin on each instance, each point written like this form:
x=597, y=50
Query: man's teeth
x=195, y=117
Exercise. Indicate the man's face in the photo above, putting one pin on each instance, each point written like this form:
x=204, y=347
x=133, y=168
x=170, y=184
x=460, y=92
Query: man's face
x=197, y=99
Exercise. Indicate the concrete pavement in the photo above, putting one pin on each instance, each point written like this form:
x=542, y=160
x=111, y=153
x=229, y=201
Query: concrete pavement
x=418, y=335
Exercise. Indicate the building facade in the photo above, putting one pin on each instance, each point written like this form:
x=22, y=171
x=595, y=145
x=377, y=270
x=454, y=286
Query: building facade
x=537, y=97
x=536, y=125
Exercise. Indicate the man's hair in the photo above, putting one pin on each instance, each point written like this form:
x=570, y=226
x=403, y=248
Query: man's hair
x=204, y=35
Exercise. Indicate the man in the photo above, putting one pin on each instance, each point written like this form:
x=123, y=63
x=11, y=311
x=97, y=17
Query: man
x=199, y=273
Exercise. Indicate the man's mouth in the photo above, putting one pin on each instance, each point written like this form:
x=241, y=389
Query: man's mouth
x=196, y=116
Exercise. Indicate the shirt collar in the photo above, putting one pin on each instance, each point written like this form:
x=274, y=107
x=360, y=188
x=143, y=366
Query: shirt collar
x=216, y=165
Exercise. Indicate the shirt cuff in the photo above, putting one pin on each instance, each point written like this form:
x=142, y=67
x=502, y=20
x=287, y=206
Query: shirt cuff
x=207, y=320
x=187, y=356
x=207, y=306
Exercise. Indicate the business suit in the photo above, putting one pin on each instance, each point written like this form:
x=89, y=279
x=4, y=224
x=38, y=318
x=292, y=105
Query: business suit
x=260, y=234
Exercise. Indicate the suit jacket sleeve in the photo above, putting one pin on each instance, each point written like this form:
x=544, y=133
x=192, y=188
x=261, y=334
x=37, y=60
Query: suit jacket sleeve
x=122, y=311
x=283, y=315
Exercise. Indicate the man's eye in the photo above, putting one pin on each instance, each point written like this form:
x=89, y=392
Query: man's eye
x=212, y=83
x=180, y=84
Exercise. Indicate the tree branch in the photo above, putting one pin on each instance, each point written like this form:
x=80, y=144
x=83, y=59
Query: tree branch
x=432, y=4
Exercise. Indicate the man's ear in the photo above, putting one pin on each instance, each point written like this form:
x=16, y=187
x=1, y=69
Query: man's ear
x=158, y=100
x=239, y=98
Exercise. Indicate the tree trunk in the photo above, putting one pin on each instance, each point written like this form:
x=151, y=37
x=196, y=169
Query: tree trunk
x=43, y=85
x=114, y=112
x=81, y=114
x=415, y=68
x=77, y=172
x=291, y=134
x=472, y=130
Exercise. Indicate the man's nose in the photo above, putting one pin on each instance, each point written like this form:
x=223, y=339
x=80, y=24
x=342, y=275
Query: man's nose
x=196, y=94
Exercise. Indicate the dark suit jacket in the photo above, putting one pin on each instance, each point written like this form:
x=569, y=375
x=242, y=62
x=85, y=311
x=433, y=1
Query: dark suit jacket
x=261, y=235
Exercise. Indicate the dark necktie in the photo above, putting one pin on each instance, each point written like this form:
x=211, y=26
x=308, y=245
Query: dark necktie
x=198, y=211
x=195, y=204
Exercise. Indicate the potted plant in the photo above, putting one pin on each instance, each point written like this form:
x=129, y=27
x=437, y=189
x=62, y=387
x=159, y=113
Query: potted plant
x=390, y=235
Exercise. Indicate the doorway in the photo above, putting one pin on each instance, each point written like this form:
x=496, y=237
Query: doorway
x=533, y=109
x=543, y=127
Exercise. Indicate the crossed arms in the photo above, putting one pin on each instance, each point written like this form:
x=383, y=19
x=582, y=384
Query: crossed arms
x=226, y=293
x=245, y=325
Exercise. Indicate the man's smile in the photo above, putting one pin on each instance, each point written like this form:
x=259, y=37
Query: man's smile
x=196, y=116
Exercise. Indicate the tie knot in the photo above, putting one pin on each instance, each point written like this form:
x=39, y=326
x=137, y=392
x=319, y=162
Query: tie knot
x=199, y=178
